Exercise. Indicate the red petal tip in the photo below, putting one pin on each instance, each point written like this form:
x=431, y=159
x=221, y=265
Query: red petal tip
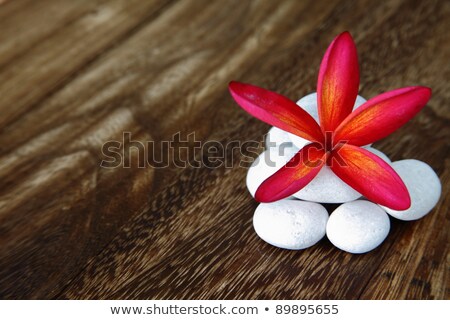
x=382, y=115
x=276, y=110
x=338, y=82
x=371, y=176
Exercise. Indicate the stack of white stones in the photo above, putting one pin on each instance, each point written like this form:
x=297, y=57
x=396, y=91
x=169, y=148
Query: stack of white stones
x=357, y=225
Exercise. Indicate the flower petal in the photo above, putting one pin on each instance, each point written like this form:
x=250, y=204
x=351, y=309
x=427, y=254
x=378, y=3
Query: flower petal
x=275, y=110
x=338, y=82
x=382, y=115
x=370, y=175
x=296, y=174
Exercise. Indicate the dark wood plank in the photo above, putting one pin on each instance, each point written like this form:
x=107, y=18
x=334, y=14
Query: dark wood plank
x=17, y=37
x=70, y=229
x=46, y=203
x=73, y=42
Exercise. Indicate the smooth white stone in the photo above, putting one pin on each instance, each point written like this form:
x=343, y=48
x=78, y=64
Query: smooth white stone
x=277, y=137
x=358, y=226
x=309, y=104
x=290, y=224
x=298, y=142
x=423, y=185
x=267, y=163
x=379, y=153
x=327, y=187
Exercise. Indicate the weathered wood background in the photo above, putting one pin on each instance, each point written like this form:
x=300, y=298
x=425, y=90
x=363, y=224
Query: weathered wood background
x=76, y=74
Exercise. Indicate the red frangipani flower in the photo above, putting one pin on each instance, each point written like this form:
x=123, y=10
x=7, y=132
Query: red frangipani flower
x=337, y=141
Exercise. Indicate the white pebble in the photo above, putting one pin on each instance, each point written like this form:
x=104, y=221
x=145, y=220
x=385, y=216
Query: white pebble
x=423, y=185
x=277, y=137
x=358, y=226
x=327, y=187
x=309, y=104
x=290, y=224
x=267, y=163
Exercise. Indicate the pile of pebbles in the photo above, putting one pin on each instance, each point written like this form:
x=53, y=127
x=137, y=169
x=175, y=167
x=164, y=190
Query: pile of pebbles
x=357, y=225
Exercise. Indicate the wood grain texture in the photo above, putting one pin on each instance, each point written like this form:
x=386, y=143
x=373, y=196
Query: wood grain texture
x=88, y=71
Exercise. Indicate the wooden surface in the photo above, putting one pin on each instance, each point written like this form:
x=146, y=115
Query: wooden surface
x=76, y=74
